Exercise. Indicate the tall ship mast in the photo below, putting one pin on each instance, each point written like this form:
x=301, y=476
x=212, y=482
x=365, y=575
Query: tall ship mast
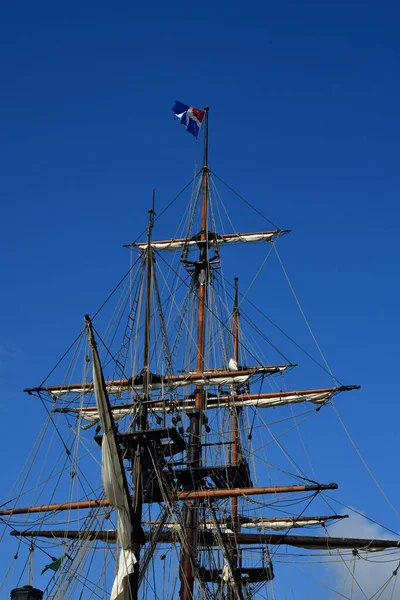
x=161, y=471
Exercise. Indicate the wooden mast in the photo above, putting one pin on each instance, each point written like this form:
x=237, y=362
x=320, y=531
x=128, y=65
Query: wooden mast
x=235, y=559
x=191, y=517
x=140, y=451
x=235, y=411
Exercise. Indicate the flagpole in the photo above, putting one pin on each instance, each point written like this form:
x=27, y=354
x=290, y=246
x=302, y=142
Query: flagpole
x=189, y=552
x=205, y=162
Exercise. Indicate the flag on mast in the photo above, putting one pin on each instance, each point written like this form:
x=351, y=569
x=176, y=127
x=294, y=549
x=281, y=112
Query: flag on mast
x=54, y=566
x=190, y=117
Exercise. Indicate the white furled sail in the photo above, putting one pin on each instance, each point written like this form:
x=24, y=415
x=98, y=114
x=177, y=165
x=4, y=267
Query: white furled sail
x=262, y=400
x=114, y=482
x=275, y=524
x=227, y=575
x=282, y=524
x=229, y=238
x=211, y=377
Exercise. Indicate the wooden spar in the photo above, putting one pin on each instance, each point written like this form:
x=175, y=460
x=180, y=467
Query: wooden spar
x=210, y=539
x=184, y=495
x=226, y=237
x=236, y=322
x=235, y=415
x=139, y=458
x=252, y=491
x=220, y=401
x=56, y=507
x=259, y=522
x=235, y=412
x=235, y=450
x=201, y=273
x=168, y=380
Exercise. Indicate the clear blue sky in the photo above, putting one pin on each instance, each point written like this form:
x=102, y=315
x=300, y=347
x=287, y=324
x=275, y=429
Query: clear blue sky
x=304, y=121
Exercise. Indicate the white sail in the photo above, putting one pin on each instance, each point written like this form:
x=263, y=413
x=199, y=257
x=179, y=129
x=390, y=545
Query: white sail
x=268, y=400
x=271, y=400
x=212, y=377
x=282, y=523
x=272, y=524
x=230, y=238
x=113, y=483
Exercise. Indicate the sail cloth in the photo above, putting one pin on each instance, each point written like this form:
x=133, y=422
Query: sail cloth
x=260, y=524
x=227, y=575
x=267, y=400
x=113, y=482
x=228, y=238
x=126, y=566
x=212, y=377
x=113, y=487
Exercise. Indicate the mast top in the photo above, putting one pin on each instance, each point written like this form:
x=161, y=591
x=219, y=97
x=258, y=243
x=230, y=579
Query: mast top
x=236, y=298
x=205, y=161
x=152, y=214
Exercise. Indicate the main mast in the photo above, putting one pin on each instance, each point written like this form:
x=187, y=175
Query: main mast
x=201, y=274
x=140, y=449
x=235, y=559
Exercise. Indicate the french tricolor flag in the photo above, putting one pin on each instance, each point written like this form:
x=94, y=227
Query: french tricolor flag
x=190, y=117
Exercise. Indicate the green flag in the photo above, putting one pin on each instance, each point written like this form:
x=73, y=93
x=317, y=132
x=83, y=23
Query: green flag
x=54, y=566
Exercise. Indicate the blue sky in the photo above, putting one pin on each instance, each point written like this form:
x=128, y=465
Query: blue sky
x=304, y=123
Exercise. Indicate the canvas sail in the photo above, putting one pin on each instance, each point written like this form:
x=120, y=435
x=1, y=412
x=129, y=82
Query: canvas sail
x=113, y=483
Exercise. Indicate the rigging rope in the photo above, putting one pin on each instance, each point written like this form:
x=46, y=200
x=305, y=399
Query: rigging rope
x=337, y=382
x=305, y=318
x=363, y=460
x=246, y=201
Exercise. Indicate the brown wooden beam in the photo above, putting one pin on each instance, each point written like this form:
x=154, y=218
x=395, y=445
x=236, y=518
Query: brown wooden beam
x=222, y=400
x=222, y=237
x=55, y=507
x=185, y=495
x=210, y=539
x=166, y=380
x=252, y=491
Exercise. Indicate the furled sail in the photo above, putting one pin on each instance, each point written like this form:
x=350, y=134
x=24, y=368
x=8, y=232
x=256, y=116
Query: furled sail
x=114, y=480
x=210, y=377
x=262, y=400
x=228, y=238
x=275, y=524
